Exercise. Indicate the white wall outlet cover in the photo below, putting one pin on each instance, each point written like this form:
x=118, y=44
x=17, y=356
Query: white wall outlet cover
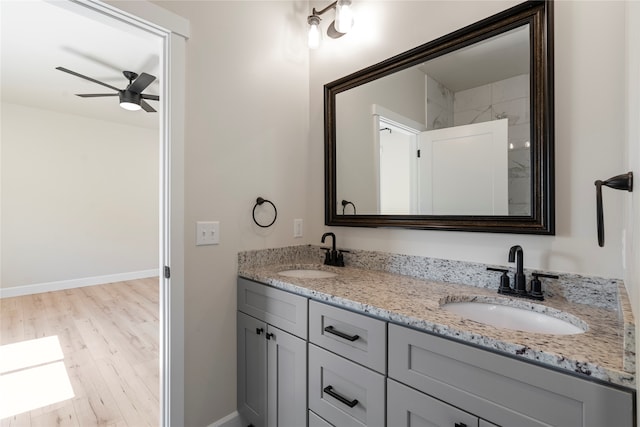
x=207, y=233
x=297, y=228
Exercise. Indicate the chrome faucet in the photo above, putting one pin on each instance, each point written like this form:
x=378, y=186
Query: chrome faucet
x=332, y=256
x=520, y=281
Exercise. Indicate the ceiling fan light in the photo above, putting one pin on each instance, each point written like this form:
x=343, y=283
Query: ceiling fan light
x=130, y=100
x=130, y=106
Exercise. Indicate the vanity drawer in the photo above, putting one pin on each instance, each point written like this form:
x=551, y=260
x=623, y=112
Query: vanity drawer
x=352, y=335
x=502, y=389
x=407, y=407
x=279, y=308
x=344, y=393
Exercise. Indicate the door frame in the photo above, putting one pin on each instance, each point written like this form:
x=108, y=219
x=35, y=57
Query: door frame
x=378, y=114
x=172, y=30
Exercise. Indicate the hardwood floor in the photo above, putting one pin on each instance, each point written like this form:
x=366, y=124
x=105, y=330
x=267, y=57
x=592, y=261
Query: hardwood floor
x=108, y=342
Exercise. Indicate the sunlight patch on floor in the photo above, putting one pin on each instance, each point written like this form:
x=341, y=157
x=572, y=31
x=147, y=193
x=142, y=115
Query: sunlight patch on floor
x=30, y=353
x=32, y=375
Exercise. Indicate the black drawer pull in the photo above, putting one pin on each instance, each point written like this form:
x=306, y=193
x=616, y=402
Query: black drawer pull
x=350, y=403
x=330, y=330
x=269, y=335
x=460, y=425
x=259, y=331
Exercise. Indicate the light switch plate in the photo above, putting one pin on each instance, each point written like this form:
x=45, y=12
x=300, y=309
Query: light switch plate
x=207, y=233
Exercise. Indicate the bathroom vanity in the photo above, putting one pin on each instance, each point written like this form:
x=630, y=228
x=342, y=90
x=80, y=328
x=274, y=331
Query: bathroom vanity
x=377, y=349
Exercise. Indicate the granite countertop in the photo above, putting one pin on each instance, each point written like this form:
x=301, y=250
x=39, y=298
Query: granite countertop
x=598, y=353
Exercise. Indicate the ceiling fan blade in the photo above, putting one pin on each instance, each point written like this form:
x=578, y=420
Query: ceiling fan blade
x=152, y=97
x=141, y=83
x=146, y=107
x=95, y=95
x=87, y=78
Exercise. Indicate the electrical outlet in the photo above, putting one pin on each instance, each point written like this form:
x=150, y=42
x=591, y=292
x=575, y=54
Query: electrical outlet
x=297, y=228
x=207, y=233
x=624, y=249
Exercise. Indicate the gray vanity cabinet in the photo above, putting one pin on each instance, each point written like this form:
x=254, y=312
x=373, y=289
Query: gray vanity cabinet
x=500, y=389
x=272, y=362
x=352, y=370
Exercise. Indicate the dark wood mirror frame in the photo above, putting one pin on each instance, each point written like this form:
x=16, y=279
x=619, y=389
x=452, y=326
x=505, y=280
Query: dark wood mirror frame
x=539, y=15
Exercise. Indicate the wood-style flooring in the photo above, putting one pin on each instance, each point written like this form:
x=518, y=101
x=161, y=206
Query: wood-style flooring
x=108, y=335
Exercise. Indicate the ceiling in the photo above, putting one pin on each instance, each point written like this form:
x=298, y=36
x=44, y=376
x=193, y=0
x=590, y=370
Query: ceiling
x=497, y=58
x=38, y=36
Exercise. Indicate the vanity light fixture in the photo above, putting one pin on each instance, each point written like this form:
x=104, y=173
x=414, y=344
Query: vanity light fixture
x=338, y=28
x=344, y=16
x=315, y=35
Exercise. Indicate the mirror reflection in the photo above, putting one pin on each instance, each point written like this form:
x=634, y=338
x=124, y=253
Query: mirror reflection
x=450, y=136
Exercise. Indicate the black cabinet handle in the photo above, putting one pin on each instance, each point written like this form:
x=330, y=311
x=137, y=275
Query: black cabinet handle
x=460, y=425
x=269, y=335
x=259, y=331
x=331, y=330
x=350, y=403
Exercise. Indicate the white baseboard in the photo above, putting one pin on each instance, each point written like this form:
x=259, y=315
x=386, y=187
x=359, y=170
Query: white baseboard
x=38, y=288
x=231, y=420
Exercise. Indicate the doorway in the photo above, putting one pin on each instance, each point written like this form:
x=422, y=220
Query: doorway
x=398, y=170
x=146, y=18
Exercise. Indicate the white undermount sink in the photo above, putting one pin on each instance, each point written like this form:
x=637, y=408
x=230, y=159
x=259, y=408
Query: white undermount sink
x=516, y=318
x=307, y=274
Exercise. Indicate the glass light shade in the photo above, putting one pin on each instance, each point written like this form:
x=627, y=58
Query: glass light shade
x=315, y=35
x=130, y=106
x=130, y=100
x=344, y=16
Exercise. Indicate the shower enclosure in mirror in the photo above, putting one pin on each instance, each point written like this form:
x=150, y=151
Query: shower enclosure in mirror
x=456, y=134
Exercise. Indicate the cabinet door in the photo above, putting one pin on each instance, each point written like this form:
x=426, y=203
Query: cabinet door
x=410, y=408
x=286, y=379
x=252, y=371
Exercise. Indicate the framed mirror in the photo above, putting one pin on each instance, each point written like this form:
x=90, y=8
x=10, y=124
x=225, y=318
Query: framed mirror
x=456, y=134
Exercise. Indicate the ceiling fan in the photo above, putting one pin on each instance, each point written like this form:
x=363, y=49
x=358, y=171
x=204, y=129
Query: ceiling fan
x=131, y=98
